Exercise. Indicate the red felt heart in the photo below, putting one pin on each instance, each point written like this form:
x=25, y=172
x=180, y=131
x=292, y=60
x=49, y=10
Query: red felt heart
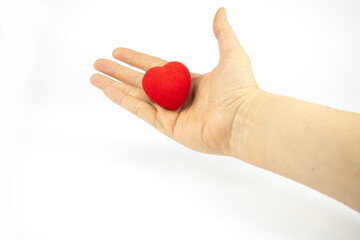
x=167, y=85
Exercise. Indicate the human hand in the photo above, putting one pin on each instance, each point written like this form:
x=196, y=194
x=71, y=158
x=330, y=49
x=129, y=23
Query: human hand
x=226, y=113
x=216, y=100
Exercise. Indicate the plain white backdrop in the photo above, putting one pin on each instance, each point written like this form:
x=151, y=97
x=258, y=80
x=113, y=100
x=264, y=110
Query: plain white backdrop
x=73, y=165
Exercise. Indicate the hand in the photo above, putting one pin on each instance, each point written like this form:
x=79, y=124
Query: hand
x=226, y=113
x=216, y=100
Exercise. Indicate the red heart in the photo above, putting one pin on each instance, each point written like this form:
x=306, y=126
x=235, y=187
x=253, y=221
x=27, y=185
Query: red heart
x=167, y=85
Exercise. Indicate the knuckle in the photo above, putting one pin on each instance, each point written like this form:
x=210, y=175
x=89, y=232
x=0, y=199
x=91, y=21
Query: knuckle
x=132, y=92
x=156, y=62
x=107, y=90
x=138, y=80
x=116, y=71
x=137, y=108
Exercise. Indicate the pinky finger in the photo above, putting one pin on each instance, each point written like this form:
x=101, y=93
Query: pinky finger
x=142, y=109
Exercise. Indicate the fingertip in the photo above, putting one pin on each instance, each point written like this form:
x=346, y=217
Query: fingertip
x=222, y=10
x=219, y=21
x=100, y=81
x=119, y=52
x=116, y=51
x=94, y=80
x=94, y=77
x=98, y=64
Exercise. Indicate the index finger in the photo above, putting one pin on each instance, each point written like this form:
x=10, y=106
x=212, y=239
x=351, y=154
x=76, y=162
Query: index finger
x=137, y=59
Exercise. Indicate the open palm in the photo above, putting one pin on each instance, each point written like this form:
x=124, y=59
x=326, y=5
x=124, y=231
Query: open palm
x=205, y=121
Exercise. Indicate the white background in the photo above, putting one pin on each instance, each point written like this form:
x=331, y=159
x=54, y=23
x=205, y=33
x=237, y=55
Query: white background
x=73, y=165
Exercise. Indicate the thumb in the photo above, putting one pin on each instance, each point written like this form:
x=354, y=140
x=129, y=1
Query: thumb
x=227, y=40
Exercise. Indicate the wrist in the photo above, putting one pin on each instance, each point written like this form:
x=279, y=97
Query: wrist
x=249, y=139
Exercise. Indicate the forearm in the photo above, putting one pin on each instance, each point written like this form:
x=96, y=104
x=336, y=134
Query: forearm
x=311, y=144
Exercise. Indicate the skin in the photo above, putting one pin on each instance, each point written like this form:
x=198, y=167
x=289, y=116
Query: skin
x=226, y=113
